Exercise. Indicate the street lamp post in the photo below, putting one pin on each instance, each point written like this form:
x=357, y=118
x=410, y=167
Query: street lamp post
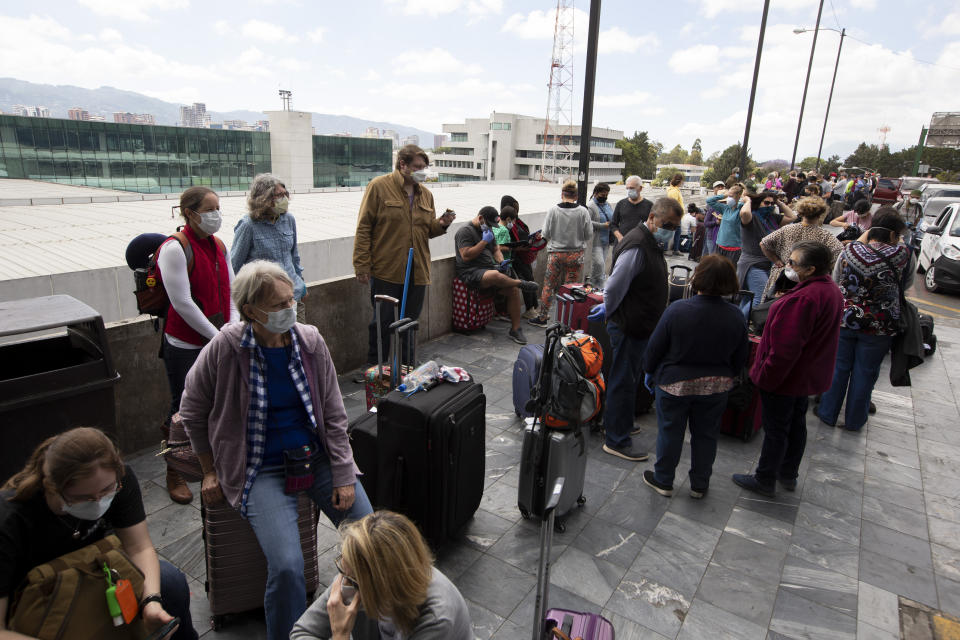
x=806, y=83
x=823, y=133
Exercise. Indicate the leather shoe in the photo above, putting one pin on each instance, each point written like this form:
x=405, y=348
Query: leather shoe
x=177, y=487
x=750, y=483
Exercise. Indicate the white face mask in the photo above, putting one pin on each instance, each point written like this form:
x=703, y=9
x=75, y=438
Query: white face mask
x=210, y=221
x=419, y=176
x=87, y=510
x=280, y=321
x=791, y=274
x=633, y=194
x=509, y=225
x=731, y=201
x=281, y=205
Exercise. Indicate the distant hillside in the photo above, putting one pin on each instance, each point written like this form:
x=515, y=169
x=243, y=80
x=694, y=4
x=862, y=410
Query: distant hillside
x=105, y=100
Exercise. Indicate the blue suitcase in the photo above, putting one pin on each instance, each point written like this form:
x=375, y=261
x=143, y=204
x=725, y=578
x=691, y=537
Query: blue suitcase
x=525, y=370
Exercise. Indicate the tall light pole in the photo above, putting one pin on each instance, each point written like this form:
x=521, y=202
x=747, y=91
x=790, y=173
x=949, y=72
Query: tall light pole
x=753, y=88
x=823, y=133
x=806, y=83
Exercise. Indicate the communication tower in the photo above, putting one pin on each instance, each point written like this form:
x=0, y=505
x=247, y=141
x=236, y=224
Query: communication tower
x=286, y=96
x=884, y=130
x=558, y=144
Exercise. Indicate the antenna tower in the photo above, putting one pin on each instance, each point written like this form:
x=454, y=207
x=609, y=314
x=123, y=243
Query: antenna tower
x=558, y=144
x=884, y=130
x=286, y=96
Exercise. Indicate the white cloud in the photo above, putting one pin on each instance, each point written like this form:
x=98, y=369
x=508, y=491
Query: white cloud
x=131, y=9
x=624, y=99
x=474, y=8
x=108, y=35
x=222, y=27
x=948, y=25
x=701, y=57
x=316, y=35
x=442, y=61
x=713, y=8
x=266, y=31
x=616, y=40
x=541, y=25
x=863, y=4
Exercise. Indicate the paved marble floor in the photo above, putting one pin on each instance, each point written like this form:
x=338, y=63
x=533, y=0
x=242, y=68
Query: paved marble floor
x=876, y=516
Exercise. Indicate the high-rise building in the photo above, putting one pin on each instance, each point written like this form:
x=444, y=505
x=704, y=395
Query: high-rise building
x=78, y=113
x=194, y=115
x=508, y=146
x=234, y=124
x=439, y=141
x=414, y=139
x=31, y=112
x=390, y=134
x=262, y=125
x=133, y=118
x=372, y=132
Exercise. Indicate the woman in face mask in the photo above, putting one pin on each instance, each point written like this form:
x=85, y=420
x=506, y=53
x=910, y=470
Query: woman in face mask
x=196, y=272
x=766, y=214
x=269, y=380
x=269, y=232
x=601, y=214
x=777, y=246
x=72, y=492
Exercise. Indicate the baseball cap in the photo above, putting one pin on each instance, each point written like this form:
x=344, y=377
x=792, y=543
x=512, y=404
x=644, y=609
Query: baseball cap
x=718, y=183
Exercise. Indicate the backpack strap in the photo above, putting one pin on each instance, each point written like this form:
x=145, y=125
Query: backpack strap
x=187, y=249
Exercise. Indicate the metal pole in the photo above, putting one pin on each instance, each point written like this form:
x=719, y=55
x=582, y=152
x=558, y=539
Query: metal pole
x=823, y=133
x=753, y=89
x=586, y=122
x=916, y=161
x=806, y=83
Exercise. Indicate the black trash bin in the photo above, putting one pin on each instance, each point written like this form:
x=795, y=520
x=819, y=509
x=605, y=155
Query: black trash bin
x=54, y=381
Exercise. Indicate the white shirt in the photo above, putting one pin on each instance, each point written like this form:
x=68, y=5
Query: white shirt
x=687, y=223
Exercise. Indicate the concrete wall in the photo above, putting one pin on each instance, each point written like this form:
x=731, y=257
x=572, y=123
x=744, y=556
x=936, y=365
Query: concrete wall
x=291, y=147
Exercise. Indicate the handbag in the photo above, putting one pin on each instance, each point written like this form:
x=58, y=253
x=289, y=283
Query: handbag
x=850, y=233
x=298, y=469
x=65, y=598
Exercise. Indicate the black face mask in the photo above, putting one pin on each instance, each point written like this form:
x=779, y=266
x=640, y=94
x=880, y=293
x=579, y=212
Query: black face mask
x=601, y=199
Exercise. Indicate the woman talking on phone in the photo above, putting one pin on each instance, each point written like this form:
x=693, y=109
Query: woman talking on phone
x=386, y=587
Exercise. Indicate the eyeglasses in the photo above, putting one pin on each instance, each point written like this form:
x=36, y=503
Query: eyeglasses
x=94, y=498
x=791, y=263
x=767, y=203
x=347, y=580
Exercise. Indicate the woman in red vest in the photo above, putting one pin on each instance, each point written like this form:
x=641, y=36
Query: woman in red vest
x=196, y=272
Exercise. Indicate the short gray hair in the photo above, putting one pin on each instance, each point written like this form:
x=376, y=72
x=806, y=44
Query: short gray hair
x=261, y=196
x=249, y=283
x=637, y=178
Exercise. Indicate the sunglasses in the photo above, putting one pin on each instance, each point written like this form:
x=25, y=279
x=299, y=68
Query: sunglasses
x=767, y=203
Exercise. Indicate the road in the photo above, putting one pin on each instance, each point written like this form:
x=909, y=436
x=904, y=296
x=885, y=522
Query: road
x=944, y=307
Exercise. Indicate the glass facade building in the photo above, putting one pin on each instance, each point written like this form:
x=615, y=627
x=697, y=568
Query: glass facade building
x=341, y=161
x=129, y=157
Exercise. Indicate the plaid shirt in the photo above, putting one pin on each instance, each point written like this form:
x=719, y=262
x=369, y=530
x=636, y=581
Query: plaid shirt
x=259, y=404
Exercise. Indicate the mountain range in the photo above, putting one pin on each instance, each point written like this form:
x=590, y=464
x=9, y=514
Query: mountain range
x=105, y=100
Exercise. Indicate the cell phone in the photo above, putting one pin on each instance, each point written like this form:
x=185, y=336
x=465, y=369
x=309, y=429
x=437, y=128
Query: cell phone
x=164, y=630
x=347, y=592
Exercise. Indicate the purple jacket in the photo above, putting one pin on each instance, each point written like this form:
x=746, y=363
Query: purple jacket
x=799, y=345
x=217, y=394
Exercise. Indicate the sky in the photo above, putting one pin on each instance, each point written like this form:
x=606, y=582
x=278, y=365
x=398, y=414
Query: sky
x=679, y=70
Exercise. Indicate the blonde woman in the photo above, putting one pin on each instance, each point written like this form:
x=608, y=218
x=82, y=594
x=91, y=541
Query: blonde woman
x=269, y=232
x=386, y=587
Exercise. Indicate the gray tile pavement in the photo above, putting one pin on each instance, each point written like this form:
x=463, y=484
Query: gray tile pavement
x=876, y=515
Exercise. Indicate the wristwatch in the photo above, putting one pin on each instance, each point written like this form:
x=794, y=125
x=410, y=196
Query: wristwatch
x=153, y=597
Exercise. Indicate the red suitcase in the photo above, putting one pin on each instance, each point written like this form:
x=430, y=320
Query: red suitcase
x=742, y=417
x=472, y=309
x=585, y=297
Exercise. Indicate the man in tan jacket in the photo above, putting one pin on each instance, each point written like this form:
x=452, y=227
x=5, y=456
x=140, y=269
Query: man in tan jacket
x=397, y=213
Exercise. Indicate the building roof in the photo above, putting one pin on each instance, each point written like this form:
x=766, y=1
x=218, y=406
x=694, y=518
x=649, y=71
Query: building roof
x=71, y=229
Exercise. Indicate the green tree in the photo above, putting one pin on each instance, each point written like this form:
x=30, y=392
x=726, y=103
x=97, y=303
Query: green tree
x=830, y=165
x=696, y=153
x=725, y=163
x=663, y=176
x=639, y=155
x=677, y=155
x=808, y=163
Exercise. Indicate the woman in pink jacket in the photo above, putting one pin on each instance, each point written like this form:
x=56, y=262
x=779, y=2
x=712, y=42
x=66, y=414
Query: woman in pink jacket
x=266, y=419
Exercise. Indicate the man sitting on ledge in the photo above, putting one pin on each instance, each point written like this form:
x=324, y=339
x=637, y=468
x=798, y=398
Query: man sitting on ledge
x=480, y=265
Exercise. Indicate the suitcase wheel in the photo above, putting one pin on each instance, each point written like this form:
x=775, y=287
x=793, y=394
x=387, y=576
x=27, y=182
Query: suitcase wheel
x=216, y=622
x=582, y=500
x=525, y=514
x=559, y=525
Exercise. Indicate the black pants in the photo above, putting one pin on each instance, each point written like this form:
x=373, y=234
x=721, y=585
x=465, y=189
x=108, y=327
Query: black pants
x=784, y=437
x=524, y=271
x=414, y=306
x=178, y=362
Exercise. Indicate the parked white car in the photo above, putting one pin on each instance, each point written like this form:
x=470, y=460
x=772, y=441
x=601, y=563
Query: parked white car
x=939, y=258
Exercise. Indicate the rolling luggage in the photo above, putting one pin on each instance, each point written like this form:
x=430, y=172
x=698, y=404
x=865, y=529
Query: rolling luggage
x=742, y=417
x=363, y=441
x=678, y=284
x=237, y=568
x=380, y=379
x=570, y=624
x=525, y=370
x=472, y=309
x=432, y=456
x=577, y=307
x=929, y=337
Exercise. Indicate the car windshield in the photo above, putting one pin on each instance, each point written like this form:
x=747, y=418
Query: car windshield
x=887, y=183
x=955, y=229
x=909, y=184
x=941, y=193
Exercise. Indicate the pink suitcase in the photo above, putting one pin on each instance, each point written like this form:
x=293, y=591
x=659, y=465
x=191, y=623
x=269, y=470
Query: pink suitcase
x=472, y=309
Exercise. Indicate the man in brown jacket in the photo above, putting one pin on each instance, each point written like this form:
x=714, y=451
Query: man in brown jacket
x=397, y=213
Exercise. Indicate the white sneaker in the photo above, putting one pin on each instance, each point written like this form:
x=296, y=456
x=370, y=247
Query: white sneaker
x=529, y=313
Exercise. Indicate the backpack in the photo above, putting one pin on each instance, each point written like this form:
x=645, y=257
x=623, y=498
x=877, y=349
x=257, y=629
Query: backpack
x=142, y=254
x=574, y=390
x=65, y=598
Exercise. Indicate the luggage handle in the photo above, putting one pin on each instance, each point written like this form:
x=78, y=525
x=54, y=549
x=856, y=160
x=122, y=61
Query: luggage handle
x=398, y=328
x=568, y=307
x=377, y=299
x=543, y=569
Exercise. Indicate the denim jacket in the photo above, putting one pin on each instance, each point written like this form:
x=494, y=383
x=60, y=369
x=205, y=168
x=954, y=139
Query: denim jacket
x=275, y=241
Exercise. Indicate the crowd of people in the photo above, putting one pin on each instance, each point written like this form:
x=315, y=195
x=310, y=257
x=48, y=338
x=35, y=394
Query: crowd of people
x=257, y=392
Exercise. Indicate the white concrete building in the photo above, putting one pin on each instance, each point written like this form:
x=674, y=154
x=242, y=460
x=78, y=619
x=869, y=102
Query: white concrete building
x=508, y=146
x=692, y=172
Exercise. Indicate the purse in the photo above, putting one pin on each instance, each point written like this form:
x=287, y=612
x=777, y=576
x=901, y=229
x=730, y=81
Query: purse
x=298, y=469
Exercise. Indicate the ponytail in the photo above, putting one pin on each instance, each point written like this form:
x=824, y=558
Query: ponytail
x=26, y=482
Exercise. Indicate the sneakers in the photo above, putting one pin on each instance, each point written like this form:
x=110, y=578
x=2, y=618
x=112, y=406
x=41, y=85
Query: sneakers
x=636, y=431
x=698, y=494
x=517, y=335
x=537, y=322
x=502, y=317
x=788, y=484
x=627, y=452
x=529, y=313
x=529, y=285
x=649, y=479
x=749, y=482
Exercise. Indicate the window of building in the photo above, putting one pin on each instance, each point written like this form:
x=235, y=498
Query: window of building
x=500, y=126
x=458, y=137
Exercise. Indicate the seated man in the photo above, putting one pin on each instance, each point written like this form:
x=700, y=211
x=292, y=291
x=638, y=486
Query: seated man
x=480, y=265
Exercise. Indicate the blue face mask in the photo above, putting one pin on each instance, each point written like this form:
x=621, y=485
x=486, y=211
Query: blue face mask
x=663, y=236
x=763, y=212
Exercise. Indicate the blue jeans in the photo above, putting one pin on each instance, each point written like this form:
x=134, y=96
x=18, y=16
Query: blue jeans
x=273, y=516
x=859, y=356
x=755, y=281
x=176, y=600
x=626, y=372
x=676, y=239
x=784, y=437
x=709, y=246
x=703, y=414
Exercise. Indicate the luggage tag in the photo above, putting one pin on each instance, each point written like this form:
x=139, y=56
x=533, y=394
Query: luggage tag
x=121, y=600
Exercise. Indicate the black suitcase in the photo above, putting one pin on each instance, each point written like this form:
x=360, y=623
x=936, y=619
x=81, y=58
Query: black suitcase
x=678, y=285
x=363, y=441
x=432, y=456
